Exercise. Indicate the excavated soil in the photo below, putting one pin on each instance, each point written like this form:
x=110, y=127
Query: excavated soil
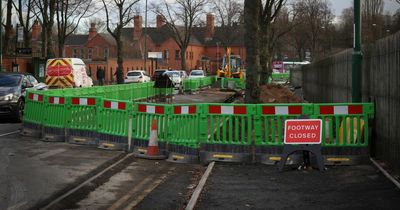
x=275, y=93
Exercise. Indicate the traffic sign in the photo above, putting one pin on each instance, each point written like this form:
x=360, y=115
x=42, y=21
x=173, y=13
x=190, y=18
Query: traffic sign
x=303, y=131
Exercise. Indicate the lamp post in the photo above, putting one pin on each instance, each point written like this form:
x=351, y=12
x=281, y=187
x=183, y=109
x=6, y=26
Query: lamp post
x=356, y=55
x=217, y=56
x=145, y=39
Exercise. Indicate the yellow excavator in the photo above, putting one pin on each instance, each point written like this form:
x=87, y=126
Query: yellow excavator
x=231, y=66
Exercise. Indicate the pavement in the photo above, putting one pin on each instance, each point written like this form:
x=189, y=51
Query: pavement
x=233, y=186
x=32, y=171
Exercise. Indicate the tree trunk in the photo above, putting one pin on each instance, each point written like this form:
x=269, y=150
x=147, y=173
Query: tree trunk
x=120, y=61
x=183, y=59
x=264, y=64
x=27, y=37
x=49, y=29
x=252, y=34
x=8, y=28
x=60, y=47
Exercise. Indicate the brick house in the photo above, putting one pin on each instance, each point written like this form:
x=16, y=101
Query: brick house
x=205, y=50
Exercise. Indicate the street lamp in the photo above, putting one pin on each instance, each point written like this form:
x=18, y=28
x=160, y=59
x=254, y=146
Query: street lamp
x=218, y=55
x=145, y=39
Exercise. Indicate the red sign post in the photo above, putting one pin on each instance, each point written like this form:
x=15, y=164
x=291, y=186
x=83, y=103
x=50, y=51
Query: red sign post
x=303, y=131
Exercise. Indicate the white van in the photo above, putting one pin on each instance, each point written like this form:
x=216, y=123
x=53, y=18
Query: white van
x=67, y=72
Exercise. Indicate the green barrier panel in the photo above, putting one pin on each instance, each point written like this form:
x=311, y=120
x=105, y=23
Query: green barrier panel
x=226, y=124
x=113, y=123
x=34, y=107
x=184, y=126
x=344, y=124
x=233, y=83
x=143, y=115
x=270, y=120
x=82, y=117
x=55, y=119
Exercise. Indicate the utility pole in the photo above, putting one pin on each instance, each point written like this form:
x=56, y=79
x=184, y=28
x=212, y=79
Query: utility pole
x=145, y=40
x=356, y=56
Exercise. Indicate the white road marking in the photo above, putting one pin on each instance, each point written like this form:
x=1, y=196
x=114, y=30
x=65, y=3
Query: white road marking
x=10, y=133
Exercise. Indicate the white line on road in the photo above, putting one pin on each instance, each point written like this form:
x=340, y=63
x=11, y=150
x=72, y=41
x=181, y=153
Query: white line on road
x=6, y=134
x=199, y=188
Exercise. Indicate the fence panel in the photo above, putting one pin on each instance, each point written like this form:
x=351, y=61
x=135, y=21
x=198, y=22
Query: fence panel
x=113, y=124
x=33, y=113
x=82, y=119
x=55, y=119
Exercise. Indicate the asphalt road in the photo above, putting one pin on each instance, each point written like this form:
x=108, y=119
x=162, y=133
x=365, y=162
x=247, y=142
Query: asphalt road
x=32, y=171
x=263, y=187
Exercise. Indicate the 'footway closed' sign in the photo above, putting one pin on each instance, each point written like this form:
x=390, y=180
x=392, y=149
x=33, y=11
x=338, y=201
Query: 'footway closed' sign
x=303, y=131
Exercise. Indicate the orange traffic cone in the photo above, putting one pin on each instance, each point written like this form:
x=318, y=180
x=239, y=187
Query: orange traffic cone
x=152, y=151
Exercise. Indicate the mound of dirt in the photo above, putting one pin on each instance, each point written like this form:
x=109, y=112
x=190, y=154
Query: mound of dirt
x=275, y=93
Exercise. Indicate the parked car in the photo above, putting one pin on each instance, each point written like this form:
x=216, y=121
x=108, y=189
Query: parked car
x=196, y=74
x=13, y=87
x=183, y=74
x=137, y=76
x=157, y=73
x=175, y=77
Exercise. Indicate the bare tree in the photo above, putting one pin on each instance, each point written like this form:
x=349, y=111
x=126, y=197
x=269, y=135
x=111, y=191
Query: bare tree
x=124, y=15
x=272, y=28
x=373, y=20
x=69, y=15
x=180, y=18
x=46, y=10
x=252, y=9
x=228, y=14
x=315, y=16
x=24, y=9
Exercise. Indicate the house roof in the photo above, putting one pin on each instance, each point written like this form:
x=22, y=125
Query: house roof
x=76, y=39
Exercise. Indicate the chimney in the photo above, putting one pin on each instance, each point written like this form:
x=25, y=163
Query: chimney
x=210, y=26
x=92, y=31
x=160, y=21
x=36, y=30
x=137, y=27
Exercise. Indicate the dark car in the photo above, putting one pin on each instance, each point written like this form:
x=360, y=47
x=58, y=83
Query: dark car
x=12, y=92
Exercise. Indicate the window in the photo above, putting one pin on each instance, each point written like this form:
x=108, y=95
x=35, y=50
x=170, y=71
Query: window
x=82, y=53
x=177, y=54
x=32, y=80
x=191, y=56
x=106, y=53
x=90, y=52
x=74, y=53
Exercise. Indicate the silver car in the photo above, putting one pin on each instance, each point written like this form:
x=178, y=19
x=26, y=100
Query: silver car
x=12, y=93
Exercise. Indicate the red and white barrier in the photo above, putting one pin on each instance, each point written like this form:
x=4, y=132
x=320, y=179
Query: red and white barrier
x=227, y=110
x=57, y=100
x=341, y=110
x=84, y=101
x=150, y=109
x=184, y=109
x=282, y=110
x=35, y=97
x=114, y=105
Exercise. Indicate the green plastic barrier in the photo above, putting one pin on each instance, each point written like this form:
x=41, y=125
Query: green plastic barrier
x=226, y=124
x=270, y=120
x=344, y=124
x=184, y=125
x=143, y=115
x=34, y=107
x=233, y=83
x=82, y=116
x=56, y=114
